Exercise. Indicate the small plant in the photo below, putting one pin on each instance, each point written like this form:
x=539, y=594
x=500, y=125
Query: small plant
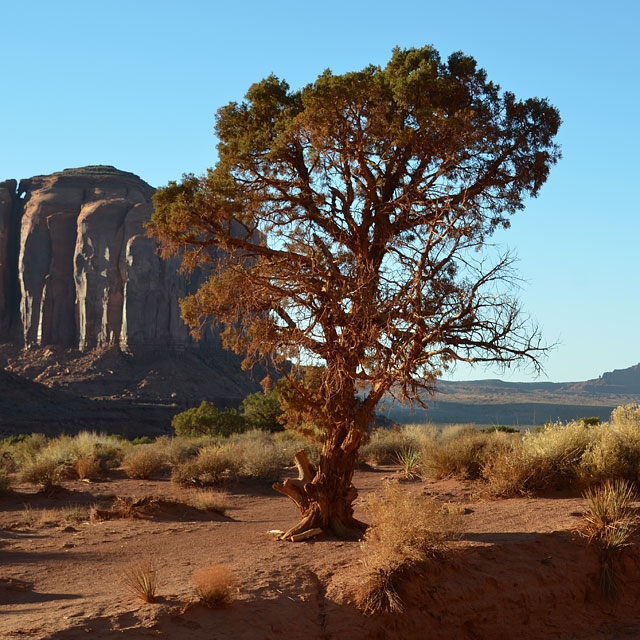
x=141, y=579
x=143, y=462
x=215, y=585
x=88, y=468
x=410, y=460
x=5, y=484
x=499, y=428
x=610, y=521
x=592, y=421
x=43, y=472
x=406, y=531
x=207, y=500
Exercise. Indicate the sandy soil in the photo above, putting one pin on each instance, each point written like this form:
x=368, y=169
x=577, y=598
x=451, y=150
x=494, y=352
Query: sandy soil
x=520, y=572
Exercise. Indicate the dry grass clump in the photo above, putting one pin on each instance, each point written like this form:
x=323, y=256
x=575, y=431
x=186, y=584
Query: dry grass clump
x=406, y=531
x=386, y=445
x=459, y=455
x=207, y=500
x=43, y=472
x=257, y=455
x=5, y=483
x=71, y=514
x=141, y=579
x=215, y=585
x=88, y=468
x=213, y=465
x=143, y=461
x=609, y=522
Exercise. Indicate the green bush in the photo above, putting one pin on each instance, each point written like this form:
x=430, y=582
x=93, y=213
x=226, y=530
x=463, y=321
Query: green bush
x=262, y=410
x=207, y=420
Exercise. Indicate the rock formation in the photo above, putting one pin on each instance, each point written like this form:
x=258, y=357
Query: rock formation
x=78, y=270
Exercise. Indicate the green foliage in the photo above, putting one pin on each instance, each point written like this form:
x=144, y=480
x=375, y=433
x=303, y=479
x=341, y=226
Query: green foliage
x=500, y=428
x=591, y=421
x=262, y=411
x=142, y=440
x=208, y=420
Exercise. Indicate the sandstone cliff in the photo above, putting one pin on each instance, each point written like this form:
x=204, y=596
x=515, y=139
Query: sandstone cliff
x=88, y=308
x=78, y=270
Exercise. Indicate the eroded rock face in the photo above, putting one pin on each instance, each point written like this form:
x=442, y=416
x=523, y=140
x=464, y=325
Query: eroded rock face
x=78, y=270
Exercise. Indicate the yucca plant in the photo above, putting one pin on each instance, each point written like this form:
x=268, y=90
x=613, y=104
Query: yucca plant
x=141, y=579
x=610, y=521
x=410, y=460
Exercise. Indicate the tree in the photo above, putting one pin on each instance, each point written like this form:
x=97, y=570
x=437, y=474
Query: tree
x=208, y=420
x=262, y=410
x=350, y=221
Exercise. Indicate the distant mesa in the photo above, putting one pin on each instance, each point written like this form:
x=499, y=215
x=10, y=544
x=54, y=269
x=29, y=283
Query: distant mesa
x=77, y=268
x=88, y=306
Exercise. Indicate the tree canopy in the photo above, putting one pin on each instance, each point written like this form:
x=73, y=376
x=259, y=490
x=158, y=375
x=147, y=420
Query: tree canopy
x=349, y=220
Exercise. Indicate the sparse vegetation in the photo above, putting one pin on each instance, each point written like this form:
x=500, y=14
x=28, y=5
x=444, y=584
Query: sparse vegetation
x=609, y=522
x=143, y=461
x=215, y=585
x=43, y=472
x=141, y=579
x=208, y=420
x=406, y=531
x=207, y=500
x=411, y=462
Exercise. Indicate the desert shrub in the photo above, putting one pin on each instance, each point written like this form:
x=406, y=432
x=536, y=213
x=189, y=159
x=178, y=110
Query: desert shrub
x=385, y=445
x=627, y=416
x=257, y=455
x=560, y=447
x=215, y=585
x=406, y=531
x=177, y=450
x=88, y=468
x=143, y=461
x=142, y=440
x=141, y=579
x=207, y=500
x=609, y=522
x=288, y=444
x=460, y=454
x=42, y=471
x=17, y=451
x=5, y=483
x=510, y=470
x=208, y=420
x=501, y=428
x=211, y=466
x=547, y=458
x=262, y=410
x=592, y=421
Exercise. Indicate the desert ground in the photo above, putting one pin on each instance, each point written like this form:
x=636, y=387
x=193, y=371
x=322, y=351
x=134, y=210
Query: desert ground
x=520, y=570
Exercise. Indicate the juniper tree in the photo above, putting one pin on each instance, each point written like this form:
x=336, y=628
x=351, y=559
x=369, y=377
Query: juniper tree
x=350, y=220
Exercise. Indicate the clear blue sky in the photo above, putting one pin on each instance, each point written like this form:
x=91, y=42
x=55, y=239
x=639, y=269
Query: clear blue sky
x=136, y=84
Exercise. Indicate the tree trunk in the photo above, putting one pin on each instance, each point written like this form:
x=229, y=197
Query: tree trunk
x=325, y=495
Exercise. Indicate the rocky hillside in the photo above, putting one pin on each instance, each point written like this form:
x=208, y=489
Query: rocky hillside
x=88, y=306
x=77, y=268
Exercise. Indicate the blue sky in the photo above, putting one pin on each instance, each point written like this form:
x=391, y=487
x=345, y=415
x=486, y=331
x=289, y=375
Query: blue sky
x=136, y=85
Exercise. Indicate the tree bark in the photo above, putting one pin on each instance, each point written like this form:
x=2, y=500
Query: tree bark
x=325, y=495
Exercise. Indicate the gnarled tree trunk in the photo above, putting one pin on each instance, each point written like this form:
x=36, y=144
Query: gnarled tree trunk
x=325, y=495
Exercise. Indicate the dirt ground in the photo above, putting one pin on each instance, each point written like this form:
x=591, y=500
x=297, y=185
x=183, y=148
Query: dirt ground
x=520, y=571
